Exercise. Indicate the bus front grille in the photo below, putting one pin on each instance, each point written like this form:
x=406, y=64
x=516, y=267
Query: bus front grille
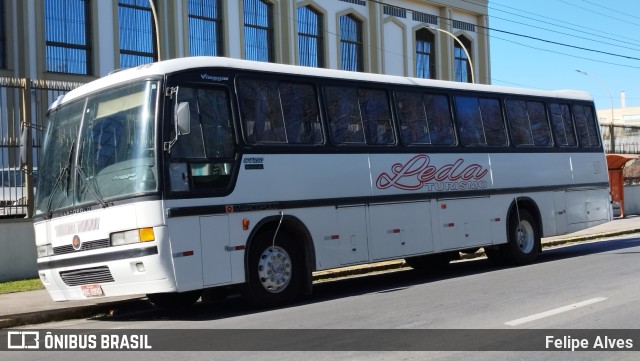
x=87, y=276
x=86, y=246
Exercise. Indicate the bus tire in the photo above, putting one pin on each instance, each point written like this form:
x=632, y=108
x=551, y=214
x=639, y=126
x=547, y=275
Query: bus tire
x=523, y=239
x=431, y=262
x=174, y=300
x=275, y=270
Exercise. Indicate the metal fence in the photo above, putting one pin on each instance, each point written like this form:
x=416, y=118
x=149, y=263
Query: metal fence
x=23, y=106
x=626, y=138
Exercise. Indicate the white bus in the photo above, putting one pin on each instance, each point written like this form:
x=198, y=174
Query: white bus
x=196, y=173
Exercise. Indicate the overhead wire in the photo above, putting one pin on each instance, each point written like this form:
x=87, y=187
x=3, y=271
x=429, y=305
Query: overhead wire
x=601, y=14
x=523, y=35
x=612, y=10
x=485, y=31
x=557, y=23
x=637, y=48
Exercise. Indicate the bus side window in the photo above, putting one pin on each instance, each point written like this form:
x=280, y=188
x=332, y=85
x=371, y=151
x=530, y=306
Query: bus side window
x=480, y=121
x=586, y=126
x=519, y=122
x=425, y=118
x=376, y=116
x=203, y=158
x=440, y=123
x=261, y=112
x=529, y=124
x=343, y=111
x=562, y=123
x=359, y=115
x=190, y=145
x=493, y=122
x=301, y=114
x=469, y=121
x=539, y=124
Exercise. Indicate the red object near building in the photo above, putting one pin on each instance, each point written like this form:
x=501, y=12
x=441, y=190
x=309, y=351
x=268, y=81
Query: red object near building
x=615, y=165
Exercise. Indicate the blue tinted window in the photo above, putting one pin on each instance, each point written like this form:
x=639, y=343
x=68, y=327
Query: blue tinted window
x=425, y=58
x=258, y=30
x=137, y=38
x=67, y=24
x=310, y=35
x=462, y=66
x=205, y=27
x=351, y=44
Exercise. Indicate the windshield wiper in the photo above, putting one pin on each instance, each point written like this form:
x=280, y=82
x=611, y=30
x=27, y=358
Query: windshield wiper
x=91, y=187
x=64, y=173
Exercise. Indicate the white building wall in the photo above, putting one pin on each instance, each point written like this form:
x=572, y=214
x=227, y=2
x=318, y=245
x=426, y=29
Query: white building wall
x=395, y=45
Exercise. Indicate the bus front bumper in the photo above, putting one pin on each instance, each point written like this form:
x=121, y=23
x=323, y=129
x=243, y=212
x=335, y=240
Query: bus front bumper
x=125, y=272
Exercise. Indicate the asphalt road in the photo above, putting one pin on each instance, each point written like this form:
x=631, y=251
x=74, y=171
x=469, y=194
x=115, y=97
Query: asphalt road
x=583, y=286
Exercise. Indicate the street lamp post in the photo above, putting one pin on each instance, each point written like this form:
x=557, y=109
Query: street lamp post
x=433, y=27
x=613, y=144
x=155, y=23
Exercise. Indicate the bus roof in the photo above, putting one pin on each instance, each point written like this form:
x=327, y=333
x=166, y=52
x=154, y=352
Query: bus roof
x=193, y=63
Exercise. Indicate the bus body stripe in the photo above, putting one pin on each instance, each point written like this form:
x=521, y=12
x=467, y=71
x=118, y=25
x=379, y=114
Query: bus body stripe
x=174, y=212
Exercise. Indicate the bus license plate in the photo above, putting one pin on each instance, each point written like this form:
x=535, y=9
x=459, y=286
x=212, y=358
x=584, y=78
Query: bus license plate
x=92, y=290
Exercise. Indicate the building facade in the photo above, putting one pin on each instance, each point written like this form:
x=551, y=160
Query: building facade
x=80, y=40
x=625, y=129
x=48, y=47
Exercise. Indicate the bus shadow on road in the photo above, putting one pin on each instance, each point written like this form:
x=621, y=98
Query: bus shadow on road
x=382, y=283
x=589, y=248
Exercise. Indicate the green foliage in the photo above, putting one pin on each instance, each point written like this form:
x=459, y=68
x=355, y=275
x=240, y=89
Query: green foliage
x=20, y=286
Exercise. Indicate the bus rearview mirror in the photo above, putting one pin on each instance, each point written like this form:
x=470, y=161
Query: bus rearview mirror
x=183, y=119
x=24, y=134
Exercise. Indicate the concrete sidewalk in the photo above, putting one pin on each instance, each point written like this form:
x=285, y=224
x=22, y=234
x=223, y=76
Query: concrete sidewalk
x=36, y=307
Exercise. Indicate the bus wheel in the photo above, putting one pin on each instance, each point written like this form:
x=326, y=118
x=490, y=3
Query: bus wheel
x=524, y=239
x=174, y=300
x=431, y=262
x=275, y=270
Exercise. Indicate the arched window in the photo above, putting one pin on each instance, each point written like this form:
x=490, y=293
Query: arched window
x=205, y=27
x=425, y=54
x=462, y=66
x=258, y=30
x=68, y=34
x=137, y=34
x=351, y=43
x=310, y=37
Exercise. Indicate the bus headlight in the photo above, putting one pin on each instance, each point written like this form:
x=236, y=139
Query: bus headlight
x=45, y=250
x=132, y=236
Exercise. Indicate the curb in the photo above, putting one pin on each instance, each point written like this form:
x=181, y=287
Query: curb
x=68, y=313
x=138, y=304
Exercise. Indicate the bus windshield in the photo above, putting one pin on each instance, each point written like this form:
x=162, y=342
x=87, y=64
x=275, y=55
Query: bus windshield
x=99, y=148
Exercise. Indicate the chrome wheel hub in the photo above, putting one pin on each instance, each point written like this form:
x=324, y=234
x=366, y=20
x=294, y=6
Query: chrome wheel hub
x=525, y=237
x=274, y=269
